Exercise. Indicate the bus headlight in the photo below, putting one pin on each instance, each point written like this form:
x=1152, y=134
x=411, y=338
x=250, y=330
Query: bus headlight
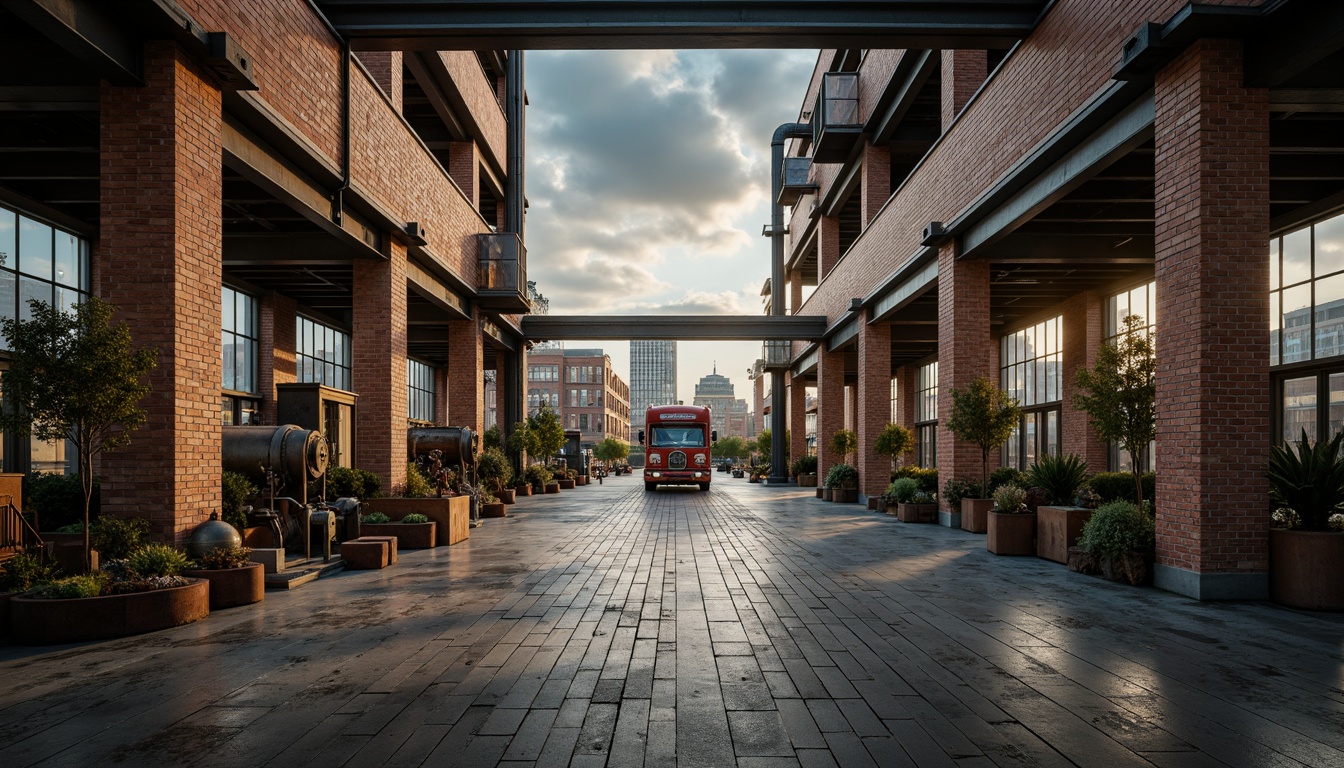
x=655, y=474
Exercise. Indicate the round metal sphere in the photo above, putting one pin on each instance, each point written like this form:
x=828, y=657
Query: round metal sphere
x=211, y=534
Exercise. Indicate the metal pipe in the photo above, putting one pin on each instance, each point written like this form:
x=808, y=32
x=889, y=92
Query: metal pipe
x=515, y=95
x=779, y=426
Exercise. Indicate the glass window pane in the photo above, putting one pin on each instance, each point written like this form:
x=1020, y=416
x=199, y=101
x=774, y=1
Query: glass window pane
x=1296, y=324
x=85, y=269
x=7, y=300
x=1336, y=387
x=7, y=239
x=1274, y=319
x=226, y=303
x=1329, y=316
x=1299, y=408
x=34, y=248
x=1274, y=264
x=1297, y=257
x=67, y=298
x=67, y=259
x=1330, y=246
x=30, y=289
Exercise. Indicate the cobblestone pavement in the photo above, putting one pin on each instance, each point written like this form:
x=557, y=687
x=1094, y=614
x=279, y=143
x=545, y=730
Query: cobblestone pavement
x=748, y=626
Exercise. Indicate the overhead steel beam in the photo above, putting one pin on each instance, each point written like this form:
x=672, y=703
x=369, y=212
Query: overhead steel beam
x=614, y=24
x=676, y=327
x=89, y=31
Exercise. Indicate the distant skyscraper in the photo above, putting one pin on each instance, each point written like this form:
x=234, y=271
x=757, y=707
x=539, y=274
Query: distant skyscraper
x=716, y=392
x=653, y=377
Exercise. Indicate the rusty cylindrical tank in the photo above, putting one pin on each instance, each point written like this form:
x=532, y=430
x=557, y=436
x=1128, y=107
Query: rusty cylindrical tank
x=298, y=454
x=458, y=444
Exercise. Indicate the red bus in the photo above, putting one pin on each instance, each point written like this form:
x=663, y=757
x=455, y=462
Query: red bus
x=676, y=440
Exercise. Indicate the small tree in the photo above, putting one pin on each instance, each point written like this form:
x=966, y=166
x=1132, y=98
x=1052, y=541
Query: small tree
x=843, y=443
x=74, y=376
x=893, y=442
x=984, y=415
x=610, y=450
x=522, y=441
x=547, y=431
x=1119, y=394
x=763, y=446
x=732, y=447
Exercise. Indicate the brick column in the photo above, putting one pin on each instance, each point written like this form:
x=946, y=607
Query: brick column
x=797, y=417
x=386, y=69
x=828, y=246
x=161, y=253
x=464, y=170
x=962, y=75
x=466, y=388
x=379, y=358
x=440, y=395
x=795, y=291
x=830, y=406
x=875, y=181
x=1083, y=332
x=276, y=316
x=905, y=404
x=965, y=351
x=1212, y=139
x=873, y=398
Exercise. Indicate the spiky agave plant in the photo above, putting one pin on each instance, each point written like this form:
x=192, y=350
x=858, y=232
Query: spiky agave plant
x=1309, y=479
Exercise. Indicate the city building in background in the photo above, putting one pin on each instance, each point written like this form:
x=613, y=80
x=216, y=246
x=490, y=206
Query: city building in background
x=653, y=378
x=716, y=393
x=579, y=385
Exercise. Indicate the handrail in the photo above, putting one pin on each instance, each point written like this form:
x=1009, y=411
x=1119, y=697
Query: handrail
x=14, y=536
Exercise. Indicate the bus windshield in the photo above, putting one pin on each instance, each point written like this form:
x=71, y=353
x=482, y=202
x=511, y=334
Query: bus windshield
x=677, y=437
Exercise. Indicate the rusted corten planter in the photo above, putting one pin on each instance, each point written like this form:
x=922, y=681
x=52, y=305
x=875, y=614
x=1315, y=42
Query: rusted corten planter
x=1011, y=533
x=493, y=510
x=807, y=481
x=523, y=490
x=506, y=496
x=917, y=513
x=408, y=535
x=1057, y=529
x=565, y=485
x=233, y=586
x=1306, y=569
x=975, y=514
x=845, y=495
x=451, y=515
x=47, y=622
x=822, y=493
x=553, y=487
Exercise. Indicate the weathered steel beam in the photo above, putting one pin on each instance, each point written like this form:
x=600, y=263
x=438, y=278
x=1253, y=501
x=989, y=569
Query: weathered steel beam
x=678, y=327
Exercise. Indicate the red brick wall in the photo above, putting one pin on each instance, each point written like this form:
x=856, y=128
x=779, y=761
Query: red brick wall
x=873, y=402
x=160, y=247
x=277, y=317
x=379, y=358
x=875, y=183
x=830, y=406
x=385, y=67
x=797, y=417
x=441, y=396
x=1212, y=139
x=828, y=245
x=962, y=73
x=965, y=351
x=464, y=167
x=466, y=388
x=1082, y=336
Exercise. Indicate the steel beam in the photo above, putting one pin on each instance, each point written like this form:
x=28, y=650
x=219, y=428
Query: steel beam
x=678, y=327
x=650, y=24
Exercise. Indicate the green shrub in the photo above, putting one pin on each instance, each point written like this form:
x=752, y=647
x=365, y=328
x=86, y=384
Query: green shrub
x=25, y=571
x=415, y=518
x=71, y=587
x=157, y=560
x=807, y=465
x=493, y=468
x=1005, y=476
x=844, y=442
x=842, y=476
x=224, y=558
x=1116, y=528
x=1110, y=486
x=922, y=497
x=1060, y=477
x=57, y=499
x=417, y=485
x=344, y=483
x=235, y=490
x=538, y=475
x=903, y=490
x=1308, y=478
x=375, y=518
x=926, y=476
x=491, y=438
x=1010, y=498
x=115, y=538
x=957, y=489
x=371, y=482
x=71, y=528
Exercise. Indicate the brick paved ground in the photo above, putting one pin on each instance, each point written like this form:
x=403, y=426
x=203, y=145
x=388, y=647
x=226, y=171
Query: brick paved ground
x=749, y=626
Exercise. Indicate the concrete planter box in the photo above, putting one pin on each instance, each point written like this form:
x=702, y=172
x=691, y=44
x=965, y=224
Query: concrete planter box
x=565, y=485
x=1011, y=533
x=493, y=510
x=1306, y=569
x=408, y=535
x=47, y=622
x=917, y=513
x=552, y=487
x=233, y=586
x=452, y=515
x=975, y=514
x=523, y=490
x=506, y=496
x=845, y=495
x=1057, y=529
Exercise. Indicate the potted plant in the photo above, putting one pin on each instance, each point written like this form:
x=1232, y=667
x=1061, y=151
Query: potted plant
x=494, y=472
x=568, y=479
x=1012, y=525
x=956, y=489
x=1306, y=544
x=1119, y=394
x=843, y=480
x=234, y=579
x=413, y=530
x=804, y=469
x=894, y=441
x=912, y=504
x=539, y=476
x=1059, y=521
x=73, y=376
x=491, y=506
x=451, y=514
x=984, y=415
x=1117, y=542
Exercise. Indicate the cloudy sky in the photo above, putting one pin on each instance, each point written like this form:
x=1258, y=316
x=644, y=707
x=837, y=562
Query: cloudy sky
x=648, y=184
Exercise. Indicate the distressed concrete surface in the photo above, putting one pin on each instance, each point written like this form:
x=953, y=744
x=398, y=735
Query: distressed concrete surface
x=750, y=626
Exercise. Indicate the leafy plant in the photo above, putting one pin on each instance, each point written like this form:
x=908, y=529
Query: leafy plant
x=488, y=497
x=235, y=490
x=538, y=475
x=1120, y=392
x=115, y=538
x=903, y=490
x=922, y=497
x=1004, y=476
x=417, y=485
x=58, y=499
x=491, y=438
x=844, y=442
x=24, y=571
x=1110, y=486
x=1010, y=498
x=927, y=477
x=225, y=558
x=731, y=447
x=984, y=415
x=74, y=376
x=842, y=476
x=1117, y=528
x=548, y=432
x=1309, y=479
x=344, y=482
x=957, y=489
x=375, y=518
x=807, y=465
x=157, y=560
x=71, y=587
x=415, y=518
x=521, y=440
x=894, y=441
x=1058, y=476
x=493, y=469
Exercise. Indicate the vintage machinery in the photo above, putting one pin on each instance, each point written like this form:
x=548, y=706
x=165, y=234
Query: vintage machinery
x=438, y=450
x=283, y=460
